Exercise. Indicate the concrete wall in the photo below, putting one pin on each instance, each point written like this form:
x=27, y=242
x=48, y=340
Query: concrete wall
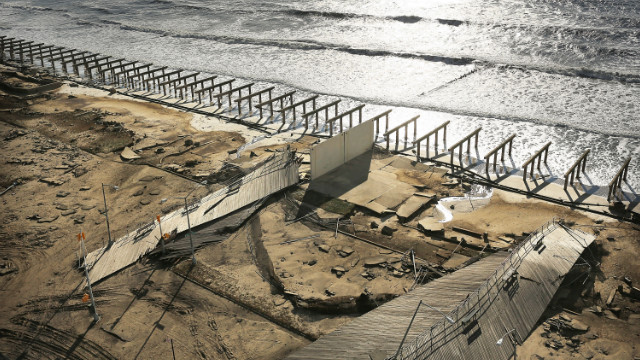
x=358, y=140
x=334, y=152
x=327, y=156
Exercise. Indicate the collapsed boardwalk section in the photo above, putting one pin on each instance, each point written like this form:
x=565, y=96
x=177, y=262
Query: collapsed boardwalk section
x=484, y=300
x=508, y=304
x=278, y=172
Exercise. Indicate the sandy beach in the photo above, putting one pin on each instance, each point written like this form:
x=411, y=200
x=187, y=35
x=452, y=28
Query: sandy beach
x=300, y=266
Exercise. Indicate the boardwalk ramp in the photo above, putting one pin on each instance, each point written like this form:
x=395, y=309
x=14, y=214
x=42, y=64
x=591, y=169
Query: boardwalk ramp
x=278, y=172
x=485, y=300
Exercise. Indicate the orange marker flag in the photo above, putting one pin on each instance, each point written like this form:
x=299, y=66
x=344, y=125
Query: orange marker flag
x=83, y=237
x=158, y=218
x=85, y=298
x=79, y=236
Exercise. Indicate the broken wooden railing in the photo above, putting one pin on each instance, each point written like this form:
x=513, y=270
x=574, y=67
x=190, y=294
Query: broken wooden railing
x=193, y=86
x=172, y=82
x=317, y=111
x=142, y=77
x=460, y=143
x=396, y=131
x=211, y=89
x=111, y=70
x=376, y=120
x=616, y=184
x=104, y=66
x=81, y=60
x=501, y=147
x=292, y=107
x=162, y=78
x=128, y=78
x=229, y=92
x=427, y=136
x=532, y=161
x=281, y=98
x=579, y=166
x=250, y=97
x=340, y=117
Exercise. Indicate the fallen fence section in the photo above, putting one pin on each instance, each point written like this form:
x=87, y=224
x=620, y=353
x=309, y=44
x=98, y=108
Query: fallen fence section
x=483, y=300
x=278, y=172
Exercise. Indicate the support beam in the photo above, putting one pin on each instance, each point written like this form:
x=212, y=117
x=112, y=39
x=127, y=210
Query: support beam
x=192, y=87
x=161, y=77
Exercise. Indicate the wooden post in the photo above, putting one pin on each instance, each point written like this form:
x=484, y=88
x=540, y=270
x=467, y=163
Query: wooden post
x=576, y=168
x=460, y=144
x=616, y=183
x=532, y=160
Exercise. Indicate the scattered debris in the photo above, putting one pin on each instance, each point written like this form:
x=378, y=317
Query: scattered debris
x=128, y=154
x=52, y=181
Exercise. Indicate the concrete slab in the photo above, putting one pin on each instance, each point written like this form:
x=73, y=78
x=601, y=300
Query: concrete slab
x=411, y=206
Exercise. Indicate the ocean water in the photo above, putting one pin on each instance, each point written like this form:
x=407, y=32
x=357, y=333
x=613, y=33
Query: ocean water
x=562, y=71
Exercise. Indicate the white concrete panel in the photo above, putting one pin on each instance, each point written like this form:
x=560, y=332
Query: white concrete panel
x=358, y=140
x=327, y=156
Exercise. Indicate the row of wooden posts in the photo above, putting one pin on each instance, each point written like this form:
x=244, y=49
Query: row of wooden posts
x=188, y=87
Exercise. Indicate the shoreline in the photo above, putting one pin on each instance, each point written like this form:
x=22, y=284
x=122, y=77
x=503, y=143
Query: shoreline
x=146, y=287
x=600, y=169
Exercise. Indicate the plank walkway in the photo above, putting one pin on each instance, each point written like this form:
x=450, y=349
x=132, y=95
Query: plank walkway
x=277, y=173
x=546, y=256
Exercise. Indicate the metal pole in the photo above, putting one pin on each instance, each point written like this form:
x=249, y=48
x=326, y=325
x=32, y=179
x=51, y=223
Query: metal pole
x=106, y=214
x=161, y=234
x=193, y=255
x=96, y=317
x=407, y=331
